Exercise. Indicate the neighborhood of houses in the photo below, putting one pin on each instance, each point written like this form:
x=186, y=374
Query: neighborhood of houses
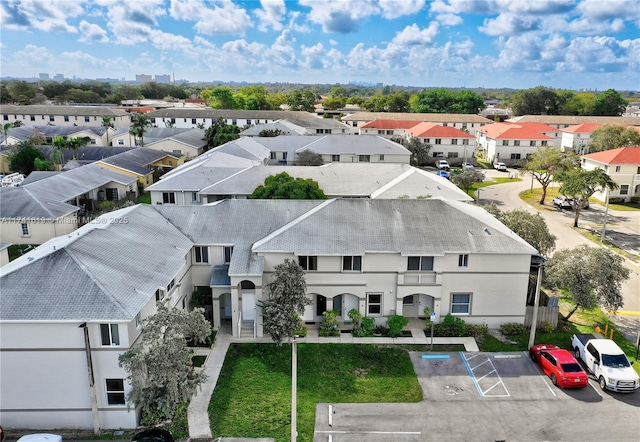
x=390, y=239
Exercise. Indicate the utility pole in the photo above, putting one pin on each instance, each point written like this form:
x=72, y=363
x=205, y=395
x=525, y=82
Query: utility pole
x=294, y=389
x=534, y=319
x=92, y=384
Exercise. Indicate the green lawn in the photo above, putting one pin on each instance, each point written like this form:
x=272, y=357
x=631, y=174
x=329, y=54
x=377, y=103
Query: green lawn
x=253, y=394
x=145, y=198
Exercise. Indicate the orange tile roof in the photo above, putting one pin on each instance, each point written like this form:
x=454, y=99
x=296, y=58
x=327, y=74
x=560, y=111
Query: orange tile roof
x=433, y=130
x=582, y=128
x=513, y=131
x=390, y=124
x=622, y=155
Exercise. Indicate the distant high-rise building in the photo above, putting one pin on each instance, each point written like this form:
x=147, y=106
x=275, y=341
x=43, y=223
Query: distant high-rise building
x=43, y=76
x=58, y=77
x=143, y=78
x=163, y=79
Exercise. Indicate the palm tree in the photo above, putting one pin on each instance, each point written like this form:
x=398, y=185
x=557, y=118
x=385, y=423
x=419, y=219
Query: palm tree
x=5, y=130
x=76, y=144
x=139, y=125
x=107, y=123
x=60, y=144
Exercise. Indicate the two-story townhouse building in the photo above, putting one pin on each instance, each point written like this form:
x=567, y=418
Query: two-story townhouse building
x=510, y=143
x=145, y=165
x=40, y=115
x=387, y=128
x=94, y=135
x=300, y=126
x=197, y=117
x=467, y=122
x=622, y=165
x=103, y=279
x=445, y=141
x=577, y=138
x=564, y=121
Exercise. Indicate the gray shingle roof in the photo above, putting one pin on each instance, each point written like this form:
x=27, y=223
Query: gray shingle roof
x=24, y=132
x=254, y=131
x=435, y=118
x=38, y=109
x=137, y=160
x=19, y=202
x=175, y=112
x=87, y=153
x=99, y=272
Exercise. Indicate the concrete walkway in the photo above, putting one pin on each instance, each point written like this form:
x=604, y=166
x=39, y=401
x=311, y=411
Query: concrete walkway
x=199, y=427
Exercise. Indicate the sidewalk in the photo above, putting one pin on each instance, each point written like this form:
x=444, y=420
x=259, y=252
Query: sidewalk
x=199, y=427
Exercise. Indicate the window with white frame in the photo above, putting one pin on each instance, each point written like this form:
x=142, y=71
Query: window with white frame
x=617, y=168
x=515, y=156
x=516, y=142
x=115, y=391
x=380, y=132
x=109, y=334
x=460, y=304
x=308, y=262
x=52, y=118
x=624, y=189
x=381, y=157
x=465, y=142
x=171, y=285
x=284, y=155
x=454, y=141
x=505, y=142
x=438, y=154
x=120, y=142
x=543, y=143
x=195, y=197
x=352, y=263
x=407, y=300
x=274, y=156
x=24, y=229
x=438, y=140
x=335, y=158
x=463, y=260
x=420, y=263
x=227, y=252
x=374, y=304
x=138, y=320
x=159, y=295
x=168, y=197
x=201, y=254
x=452, y=154
x=364, y=158
x=532, y=142
x=87, y=119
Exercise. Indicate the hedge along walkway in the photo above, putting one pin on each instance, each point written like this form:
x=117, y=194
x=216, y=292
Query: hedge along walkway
x=199, y=426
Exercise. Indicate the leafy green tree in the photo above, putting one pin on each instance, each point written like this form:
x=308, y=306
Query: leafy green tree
x=159, y=364
x=543, y=164
x=139, y=125
x=309, y=158
x=220, y=97
x=443, y=100
x=5, y=130
x=60, y=144
x=613, y=136
x=220, y=133
x=579, y=184
x=610, y=103
x=284, y=187
x=529, y=226
x=591, y=275
x=582, y=103
x=40, y=164
x=467, y=179
x=271, y=133
x=398, y=102
x=76, y=143
x=333, y=103
x=107, y=123
x=536, y=101
x=287, y=300
x=24, y=158
x=419, y=150
x=376, y=103
x=302, y=101
x=22, y=92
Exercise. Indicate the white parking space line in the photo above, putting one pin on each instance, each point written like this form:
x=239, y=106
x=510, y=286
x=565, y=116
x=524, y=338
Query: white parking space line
x=544, y=377
x=416, y=433
x=492, y=371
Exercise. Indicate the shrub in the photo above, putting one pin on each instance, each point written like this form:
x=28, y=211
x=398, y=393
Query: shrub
x=380, y=330
x=478, y=332
x=355, y=317
x=512, y=328
x=395, y=324
x=451, y=326
x=546, y=327
x=329, y=326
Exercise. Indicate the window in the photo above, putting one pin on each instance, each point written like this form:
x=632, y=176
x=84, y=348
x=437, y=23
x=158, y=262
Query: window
x=420, y=263
x=389, y=132
x=201, y=254
x=228, y=251
x=438, y=154
x=617, y=168
x=33, y=118
x=543, y=143
x=352, y=263
x=115, y=391
x=335, y=158
x=505, y=142
x=195, y=197
x=66, y=118
x=515, y=156
x=308, y=262
x=445, y=124
x=381, y=157
x=460, y=304
x=284, y=156
x=120, y=142
x=454, y=141
x=452, y=154
x=364, y=158
x=464, y=125
x=273, y=156
x=92, y=141
x=171, y=285
x=463, y=260
x=516, y=142
x=52, y=118
x=532, y=143
x=374, y=304
x=86, y=119
x=465, y=142
x=109, y=334
x=438, y=140
x=407, y=300
x=24, y=229
x=159, y=295
x=193, y=121
x=5, y=117
x=185, y=120
x=624, y=189
x=234, y=121
x=112, y=194
x=380, y=132
x=638, y=171
x=138, y=320
x=248, y=122
x=427, y=140
x=168, y=198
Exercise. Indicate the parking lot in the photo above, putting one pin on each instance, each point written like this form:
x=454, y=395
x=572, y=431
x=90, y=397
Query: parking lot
x=485, y=396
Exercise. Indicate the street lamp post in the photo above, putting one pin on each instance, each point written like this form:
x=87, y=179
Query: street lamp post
x=534, y=320
x=606, y=212
x=478, y=196
x=294, y=388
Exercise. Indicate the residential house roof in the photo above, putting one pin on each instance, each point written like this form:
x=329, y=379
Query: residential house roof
x=137, y=160
x=365, y=180
x=175, y=112
x=582, y=128
x=348, y=144
x=254, y=131
x=38, y=109
x=19, y=202
x=190, y=137
x=436, y=118
x=38, y=175
x=513, y=131
x=622, y=155
x=87, y=153
x=390, y=124
x=88, y=274
x=571, y=120
x=433, y=130
x=22, y=133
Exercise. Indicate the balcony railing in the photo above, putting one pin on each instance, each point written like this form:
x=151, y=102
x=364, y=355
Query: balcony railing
x=417, y=278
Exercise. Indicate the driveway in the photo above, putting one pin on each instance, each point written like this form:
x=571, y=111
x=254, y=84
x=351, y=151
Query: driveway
x=485, y=397
x=623, y=229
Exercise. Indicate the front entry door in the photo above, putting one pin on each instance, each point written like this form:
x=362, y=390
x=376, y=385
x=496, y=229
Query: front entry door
x=248, y=306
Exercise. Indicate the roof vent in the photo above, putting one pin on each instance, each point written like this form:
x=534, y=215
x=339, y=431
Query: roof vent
x=29, y=259
x=487, y=231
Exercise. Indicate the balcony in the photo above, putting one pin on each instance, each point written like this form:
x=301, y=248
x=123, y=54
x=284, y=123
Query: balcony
x=417, y=278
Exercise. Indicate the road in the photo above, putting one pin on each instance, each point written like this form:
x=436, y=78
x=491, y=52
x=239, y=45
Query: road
x=622, y=227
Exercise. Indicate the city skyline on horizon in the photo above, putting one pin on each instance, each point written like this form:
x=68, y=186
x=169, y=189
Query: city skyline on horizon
x=491, y=44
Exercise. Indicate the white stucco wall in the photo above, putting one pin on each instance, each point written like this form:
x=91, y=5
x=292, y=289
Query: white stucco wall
x=40, y=230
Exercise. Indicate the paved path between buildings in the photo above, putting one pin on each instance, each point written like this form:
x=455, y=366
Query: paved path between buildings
x=199, y=426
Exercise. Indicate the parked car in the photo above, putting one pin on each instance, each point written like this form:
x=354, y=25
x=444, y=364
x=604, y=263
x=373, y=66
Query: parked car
x=580, y=200
x=501, y=167
x=443, y=174
x=562, y=202
x=442, y=165
x=41, y=437
x=153, y=435
x=467, y=166
x=559, y=365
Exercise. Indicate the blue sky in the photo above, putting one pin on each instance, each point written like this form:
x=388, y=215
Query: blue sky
x=575, y=44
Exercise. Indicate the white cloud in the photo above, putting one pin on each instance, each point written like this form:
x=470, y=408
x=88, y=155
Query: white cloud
x=334, y=16
x=224, y=17
x=315, y=56
x=393, y=8
x=43, y=15
x=282, y=52
x=507, y=24
x=333, y=42
x=271, y=14
x=413, y=35
x=92, y=32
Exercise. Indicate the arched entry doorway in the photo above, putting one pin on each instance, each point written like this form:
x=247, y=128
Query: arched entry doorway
x=248, y=296
x=413, y=305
